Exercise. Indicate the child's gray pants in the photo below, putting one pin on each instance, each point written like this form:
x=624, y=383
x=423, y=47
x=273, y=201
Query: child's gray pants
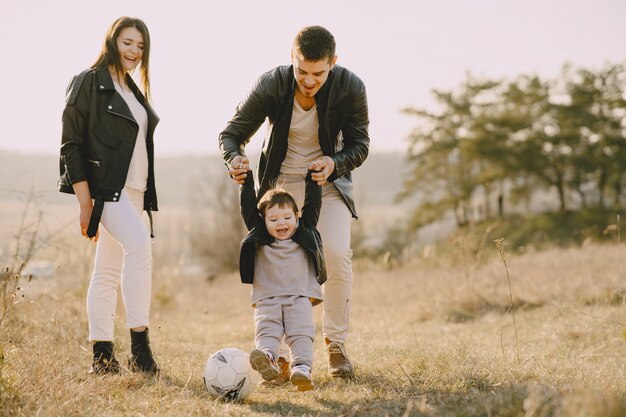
x=288, y=315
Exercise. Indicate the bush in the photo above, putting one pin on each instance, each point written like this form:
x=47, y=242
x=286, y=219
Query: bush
x=544, y=230
x=219, y=228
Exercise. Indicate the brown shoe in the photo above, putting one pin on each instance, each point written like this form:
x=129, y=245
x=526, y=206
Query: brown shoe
x=339, y=366
x=283, y=376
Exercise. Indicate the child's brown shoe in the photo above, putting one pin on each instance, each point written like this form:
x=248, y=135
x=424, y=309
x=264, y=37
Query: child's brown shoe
x=283, y=376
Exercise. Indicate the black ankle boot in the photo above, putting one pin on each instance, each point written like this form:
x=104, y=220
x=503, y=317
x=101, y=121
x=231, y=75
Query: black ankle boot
x=104, y=361
x=141, y=358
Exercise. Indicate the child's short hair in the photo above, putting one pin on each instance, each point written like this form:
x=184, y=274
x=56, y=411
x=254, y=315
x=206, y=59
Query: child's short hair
x=276, y=197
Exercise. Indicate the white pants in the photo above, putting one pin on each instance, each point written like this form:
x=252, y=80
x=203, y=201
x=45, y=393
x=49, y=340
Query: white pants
x=123, y=251
x=288, y=316
x=334, y=227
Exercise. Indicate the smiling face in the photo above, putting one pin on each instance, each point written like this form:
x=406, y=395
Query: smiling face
x=311, y=75
x=130, y=45
x=280, y=221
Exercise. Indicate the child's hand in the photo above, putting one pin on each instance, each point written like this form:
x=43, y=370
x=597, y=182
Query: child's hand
x=323, y=167
x=244, y=164
x=317, y=165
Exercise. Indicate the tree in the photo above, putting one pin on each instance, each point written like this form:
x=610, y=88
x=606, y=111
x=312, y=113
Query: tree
x=445, y=170
x=491, y=137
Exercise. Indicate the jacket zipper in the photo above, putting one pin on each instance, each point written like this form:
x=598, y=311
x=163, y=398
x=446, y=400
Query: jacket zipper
x=97, y=163
x=124, y=116
x=67, y=171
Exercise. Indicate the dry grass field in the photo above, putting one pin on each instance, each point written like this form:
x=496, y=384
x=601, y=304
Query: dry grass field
x=431, y=338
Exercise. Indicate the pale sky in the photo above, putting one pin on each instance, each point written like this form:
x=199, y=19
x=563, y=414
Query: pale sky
x=206, y=55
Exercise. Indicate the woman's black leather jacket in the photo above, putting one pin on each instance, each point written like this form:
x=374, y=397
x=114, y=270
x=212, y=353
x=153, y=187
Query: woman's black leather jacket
x=98, y=138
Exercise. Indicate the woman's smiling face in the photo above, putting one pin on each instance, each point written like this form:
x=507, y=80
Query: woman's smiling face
x=130, y=47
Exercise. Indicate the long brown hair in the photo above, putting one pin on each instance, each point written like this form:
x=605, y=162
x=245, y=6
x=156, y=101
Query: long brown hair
x=110, y=55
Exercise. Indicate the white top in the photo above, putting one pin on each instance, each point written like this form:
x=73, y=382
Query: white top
x=303, y=145
x=137, y=177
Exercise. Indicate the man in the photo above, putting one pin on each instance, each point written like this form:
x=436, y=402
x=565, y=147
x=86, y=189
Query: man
x=315, y=110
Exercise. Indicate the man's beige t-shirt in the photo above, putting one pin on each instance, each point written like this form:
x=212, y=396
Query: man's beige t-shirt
x=303, y=145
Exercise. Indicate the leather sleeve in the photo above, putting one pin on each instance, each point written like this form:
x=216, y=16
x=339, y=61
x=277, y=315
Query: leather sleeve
x=312, y=202
x=247, y=202
x=74, y=130
x=355, y=138
x=249, y=116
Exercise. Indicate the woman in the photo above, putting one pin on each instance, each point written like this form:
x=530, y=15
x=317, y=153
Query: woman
x=107, y=161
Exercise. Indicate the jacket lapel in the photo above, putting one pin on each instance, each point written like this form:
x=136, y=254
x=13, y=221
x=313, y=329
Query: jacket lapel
x=153, y=118
x=116, y=105
x=321, y=101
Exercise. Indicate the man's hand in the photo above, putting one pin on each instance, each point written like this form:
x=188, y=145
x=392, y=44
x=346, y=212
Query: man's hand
x=323, y=167
x=238, y=167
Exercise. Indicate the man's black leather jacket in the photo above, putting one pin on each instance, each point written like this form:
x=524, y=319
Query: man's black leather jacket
x=343, y=123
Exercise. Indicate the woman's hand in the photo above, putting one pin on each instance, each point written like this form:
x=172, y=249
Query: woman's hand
x=81, y=189
x=323, y=167
x=84, y=217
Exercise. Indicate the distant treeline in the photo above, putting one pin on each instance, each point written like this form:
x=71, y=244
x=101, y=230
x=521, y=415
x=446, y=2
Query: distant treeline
x=493, y=144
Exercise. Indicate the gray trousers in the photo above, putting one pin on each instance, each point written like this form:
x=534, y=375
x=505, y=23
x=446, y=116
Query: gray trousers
x=291, y=316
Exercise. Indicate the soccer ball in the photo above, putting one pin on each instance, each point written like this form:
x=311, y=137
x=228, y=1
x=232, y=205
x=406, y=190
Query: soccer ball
x=229, y=376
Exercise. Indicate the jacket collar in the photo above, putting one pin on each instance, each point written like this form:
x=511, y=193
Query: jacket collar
x=320, y=95
x=103, y=77
x=323, y=92
x=105, y=82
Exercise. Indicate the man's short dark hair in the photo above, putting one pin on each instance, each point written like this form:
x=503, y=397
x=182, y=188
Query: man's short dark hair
x=315, y=43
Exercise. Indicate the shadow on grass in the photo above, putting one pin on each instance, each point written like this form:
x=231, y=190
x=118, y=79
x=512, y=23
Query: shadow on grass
x=476, y=307
x=397, y=393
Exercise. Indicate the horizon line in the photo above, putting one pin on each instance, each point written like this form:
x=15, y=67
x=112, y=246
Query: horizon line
x=181, y=154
